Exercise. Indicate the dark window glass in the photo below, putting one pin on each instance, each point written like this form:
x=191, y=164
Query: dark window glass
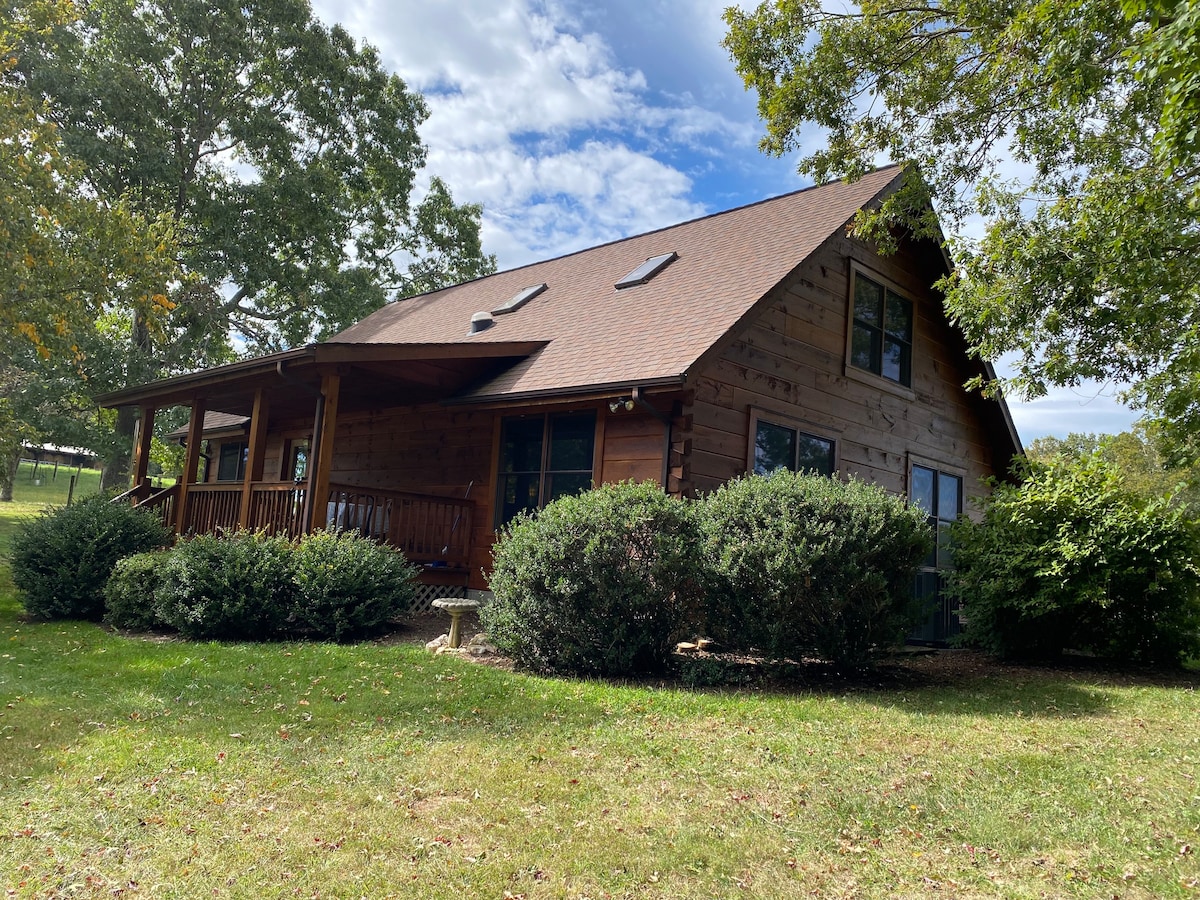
x=899, y=317
x=814, y=454
x=297, y=467
x=868, y=302
x=939, y=496
x=922, y=489
x=774, y=448
x=521, y=445
x=864, y=352
x=949, y=497
x=232, y=463
x=572, y=439
x=543, y=458
x=563, y=484
x=518, y=493
x=882, y=331
x=779, y=447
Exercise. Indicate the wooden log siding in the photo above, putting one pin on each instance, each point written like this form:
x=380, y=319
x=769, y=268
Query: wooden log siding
x=790, y=360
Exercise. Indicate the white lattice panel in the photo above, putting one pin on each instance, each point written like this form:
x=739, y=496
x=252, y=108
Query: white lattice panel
x=427, y=593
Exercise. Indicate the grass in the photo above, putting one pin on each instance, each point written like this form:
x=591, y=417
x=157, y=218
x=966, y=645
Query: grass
x=136, y=767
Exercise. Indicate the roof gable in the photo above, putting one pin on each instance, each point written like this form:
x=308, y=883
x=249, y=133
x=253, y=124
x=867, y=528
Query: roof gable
x=597, y=334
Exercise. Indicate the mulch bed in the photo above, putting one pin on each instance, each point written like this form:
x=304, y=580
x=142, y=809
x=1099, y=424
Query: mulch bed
x=909, y=668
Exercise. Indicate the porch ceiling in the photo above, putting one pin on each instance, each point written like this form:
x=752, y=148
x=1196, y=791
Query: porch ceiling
x=371, y=378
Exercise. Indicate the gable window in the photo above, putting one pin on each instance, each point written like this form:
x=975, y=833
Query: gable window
x=231, y=464
x=543, y=458
x=781, y=446
x=939, y=495
x=882, y=331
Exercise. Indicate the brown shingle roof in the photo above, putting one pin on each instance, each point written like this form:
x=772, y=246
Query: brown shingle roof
x=655, y=331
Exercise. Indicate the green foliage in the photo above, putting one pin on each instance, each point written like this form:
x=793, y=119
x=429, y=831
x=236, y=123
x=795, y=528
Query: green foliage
x=236, y=587
x=1073, y=559
x=595, y=584
x=130, y=595
x=62, y=559
x=803, y=562
x=347, y=585
x=1140, y=458
x=281, y=147
x=1089, y=265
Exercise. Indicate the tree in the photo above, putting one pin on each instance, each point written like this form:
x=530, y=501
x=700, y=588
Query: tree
x=284, y=153
x=1135, y=458
x=1088, y=266
x=67, y=257
x=65, y=254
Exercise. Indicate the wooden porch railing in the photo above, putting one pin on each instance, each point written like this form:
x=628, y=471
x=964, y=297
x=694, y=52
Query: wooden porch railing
x=212, y=507
x=428, y=529
x=162, y=504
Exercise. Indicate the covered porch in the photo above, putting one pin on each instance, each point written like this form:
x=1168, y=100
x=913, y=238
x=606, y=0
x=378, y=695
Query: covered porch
x=308, y=393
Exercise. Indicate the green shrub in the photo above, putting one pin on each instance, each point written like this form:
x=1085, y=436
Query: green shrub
x=594, y=584
x=347, y=585
x=61, y=560
x=1071, y=559
x=799, y=563
x=235, y=587
x=130, y=600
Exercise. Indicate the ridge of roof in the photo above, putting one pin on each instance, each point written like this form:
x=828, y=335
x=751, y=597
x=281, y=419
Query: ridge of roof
x=897, y=167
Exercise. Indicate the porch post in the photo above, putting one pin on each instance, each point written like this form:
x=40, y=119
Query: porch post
x=255, y=453
x=191, y=462
x=141, y=447
x=320, y=465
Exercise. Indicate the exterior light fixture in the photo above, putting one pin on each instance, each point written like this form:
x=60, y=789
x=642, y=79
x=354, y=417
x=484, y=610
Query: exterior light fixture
x=621, y=404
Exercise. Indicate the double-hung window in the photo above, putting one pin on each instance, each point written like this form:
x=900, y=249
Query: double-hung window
x=881, y=336
x=542, y=458
x=783, y=446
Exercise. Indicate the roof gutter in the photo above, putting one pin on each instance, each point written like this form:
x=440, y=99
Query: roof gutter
x=567, y=393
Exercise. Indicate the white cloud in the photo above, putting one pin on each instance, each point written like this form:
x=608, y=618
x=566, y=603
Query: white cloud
x=533, y=115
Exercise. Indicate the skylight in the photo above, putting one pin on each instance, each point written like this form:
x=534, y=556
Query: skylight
x=519, y=299
x=647, y=270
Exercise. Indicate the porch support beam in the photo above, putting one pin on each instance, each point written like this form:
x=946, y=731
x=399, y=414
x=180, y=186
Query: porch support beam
x=191, y=461
x=321, y=463
x=141, y=448
x=255, y=453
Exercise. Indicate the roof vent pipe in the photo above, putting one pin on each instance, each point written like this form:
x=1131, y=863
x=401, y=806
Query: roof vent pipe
x=481, y=321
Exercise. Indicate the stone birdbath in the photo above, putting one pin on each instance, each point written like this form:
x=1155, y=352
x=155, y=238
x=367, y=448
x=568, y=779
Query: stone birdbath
x=456, y=607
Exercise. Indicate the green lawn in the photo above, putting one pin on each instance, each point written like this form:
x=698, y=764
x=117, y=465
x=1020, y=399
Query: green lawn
x=134, y=767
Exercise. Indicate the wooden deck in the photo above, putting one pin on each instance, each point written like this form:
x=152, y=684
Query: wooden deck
x=431, y=531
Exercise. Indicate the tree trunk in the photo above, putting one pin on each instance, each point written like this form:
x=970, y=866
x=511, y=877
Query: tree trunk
x=8, y=474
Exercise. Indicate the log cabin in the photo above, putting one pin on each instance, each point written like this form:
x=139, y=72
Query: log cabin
x=755, y=338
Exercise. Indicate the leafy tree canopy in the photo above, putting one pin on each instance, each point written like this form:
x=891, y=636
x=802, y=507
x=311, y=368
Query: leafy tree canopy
x=1088, y=267
x=66, y=255
x=284, y=154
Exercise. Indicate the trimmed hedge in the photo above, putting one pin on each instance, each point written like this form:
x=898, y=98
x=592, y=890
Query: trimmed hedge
x=595, y=584
x=62, y=559
x=235, y=587
x=798, y=563
x=130, y=596
x=346, y=586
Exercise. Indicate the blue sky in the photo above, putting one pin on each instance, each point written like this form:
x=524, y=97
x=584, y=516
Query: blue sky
x=574, y=123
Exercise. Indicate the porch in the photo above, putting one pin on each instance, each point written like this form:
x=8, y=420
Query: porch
x=432, y=532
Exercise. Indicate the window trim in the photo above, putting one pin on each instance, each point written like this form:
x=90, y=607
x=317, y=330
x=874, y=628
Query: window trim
x=543, y=472
x=866, y=376
x=800, y=426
